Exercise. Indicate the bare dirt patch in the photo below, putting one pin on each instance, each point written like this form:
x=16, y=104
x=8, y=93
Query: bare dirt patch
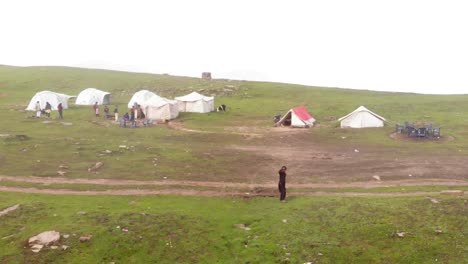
x=311, y=164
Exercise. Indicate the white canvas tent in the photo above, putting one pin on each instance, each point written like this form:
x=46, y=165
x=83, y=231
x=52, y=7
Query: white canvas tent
x=90, y=96
x=195, y=102
x=140, y=97
x=362, y=117
x=297, y=117
x=158, y=108
x=53, y=98
x=154, y=106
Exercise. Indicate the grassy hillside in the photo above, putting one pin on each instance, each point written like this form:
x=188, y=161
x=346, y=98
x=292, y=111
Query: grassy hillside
x=223, y=153
x=165, y=229
x=251, y=105
x=181, y=155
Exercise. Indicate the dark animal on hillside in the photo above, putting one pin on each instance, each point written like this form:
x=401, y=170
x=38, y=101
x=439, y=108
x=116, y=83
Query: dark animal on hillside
x=221, y=108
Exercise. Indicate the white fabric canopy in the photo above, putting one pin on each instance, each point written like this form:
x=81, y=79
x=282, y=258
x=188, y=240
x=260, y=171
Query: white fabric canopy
x=53, y=98
x=362, y=117
x=195, y=102
x=90, y=96
x=154, y=106
x=140, y=97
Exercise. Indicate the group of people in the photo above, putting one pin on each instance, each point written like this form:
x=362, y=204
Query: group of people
x=107, y=114
x=136, y=113
x=48, y=109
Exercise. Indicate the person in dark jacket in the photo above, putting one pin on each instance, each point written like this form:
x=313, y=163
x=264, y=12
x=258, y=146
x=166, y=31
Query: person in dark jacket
x=60, y=110
x=282, y=183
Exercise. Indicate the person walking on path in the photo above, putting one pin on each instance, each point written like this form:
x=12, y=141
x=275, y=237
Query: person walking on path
x=282, y=183
x=60, y=111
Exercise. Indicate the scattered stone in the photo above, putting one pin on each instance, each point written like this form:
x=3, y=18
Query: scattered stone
x=242, y=226
x=53, y=247
x=47, y=122
x=66, y=236
x=38, y=160
x=66, y=124
x=61, y=173
x=108, y=151
x=9, y=210
x=96, y=166
x=122, y=146
x=377, y=177
x=320, y=254
x=63, y=167
x=356, y=150
x=453, y=192
x=64, y=247
x=343, y=137
x=410, y=175
x=433, y=200
x=81, y=213
x=43, y=239
x=285, y=221
x=438, y=231
x=401, y=234
x=85, y=238
x=36, y=248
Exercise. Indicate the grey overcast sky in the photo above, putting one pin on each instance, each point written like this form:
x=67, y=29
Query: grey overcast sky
x=399, y=45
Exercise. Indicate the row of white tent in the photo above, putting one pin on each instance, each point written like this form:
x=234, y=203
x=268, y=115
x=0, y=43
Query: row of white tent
x=359, y=118
x=153, y=105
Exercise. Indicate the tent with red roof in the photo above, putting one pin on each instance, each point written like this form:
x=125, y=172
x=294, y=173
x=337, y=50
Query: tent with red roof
x=297, y=117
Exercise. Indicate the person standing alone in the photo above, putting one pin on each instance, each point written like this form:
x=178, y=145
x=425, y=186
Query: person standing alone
x=282, y=183
x=60, y=111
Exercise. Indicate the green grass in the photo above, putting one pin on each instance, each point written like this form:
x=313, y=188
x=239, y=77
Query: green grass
x=167, y=229
x=250, y=104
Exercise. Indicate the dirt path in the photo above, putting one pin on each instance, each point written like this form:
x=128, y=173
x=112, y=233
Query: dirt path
x=136, y=192
x=218, y=193
x=114, y=182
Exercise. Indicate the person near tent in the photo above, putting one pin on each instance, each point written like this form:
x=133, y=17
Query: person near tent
x=38, y=109
x=282, y=183
x=60, y=110
x=116, y=113
x=48, y=109
x=135, y=110
x=106, y=112
x=96, y=109
x=277, y=118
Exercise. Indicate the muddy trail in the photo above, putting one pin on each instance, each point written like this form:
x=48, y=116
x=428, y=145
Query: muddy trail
x=254, y=190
